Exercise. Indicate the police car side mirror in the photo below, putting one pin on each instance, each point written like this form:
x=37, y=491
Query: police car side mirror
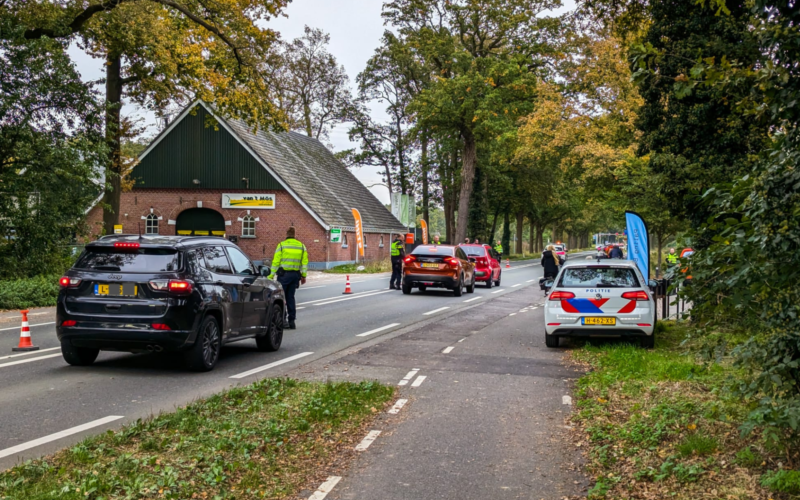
x=264, y=270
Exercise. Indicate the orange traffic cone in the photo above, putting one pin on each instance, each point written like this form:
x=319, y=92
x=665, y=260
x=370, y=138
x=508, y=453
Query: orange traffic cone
x=25, y=336
x=347, y=287
x=508, y=263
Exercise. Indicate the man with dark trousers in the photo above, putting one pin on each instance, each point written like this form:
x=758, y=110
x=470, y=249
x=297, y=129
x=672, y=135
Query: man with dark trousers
x=290, y=265
x=397, y=252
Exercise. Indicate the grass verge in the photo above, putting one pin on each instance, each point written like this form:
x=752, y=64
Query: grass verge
x=266, y=440
x=374, y=266
x=661, y=424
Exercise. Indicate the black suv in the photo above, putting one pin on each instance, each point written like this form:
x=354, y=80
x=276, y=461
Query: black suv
x=166, y=293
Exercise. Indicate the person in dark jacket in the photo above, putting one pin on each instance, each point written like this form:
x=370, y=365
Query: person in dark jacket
x=550, y=262
x=616, y=253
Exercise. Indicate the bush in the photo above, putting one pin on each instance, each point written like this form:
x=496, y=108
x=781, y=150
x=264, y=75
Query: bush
x=40, y=291
x=783, y=481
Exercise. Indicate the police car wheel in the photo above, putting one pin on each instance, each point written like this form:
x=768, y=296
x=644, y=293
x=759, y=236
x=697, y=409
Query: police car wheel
x=647, y=342
x=551, y=340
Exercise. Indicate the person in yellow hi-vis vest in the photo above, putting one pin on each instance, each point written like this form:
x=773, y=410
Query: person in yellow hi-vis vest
x=290, y=266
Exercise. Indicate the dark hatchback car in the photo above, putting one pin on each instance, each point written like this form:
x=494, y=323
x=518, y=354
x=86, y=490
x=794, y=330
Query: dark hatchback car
x=166, y=293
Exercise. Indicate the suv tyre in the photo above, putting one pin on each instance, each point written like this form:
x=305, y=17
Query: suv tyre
x=78, y=356
x=406, y=289
x=471, y=287
x=204, y=354
x=271, y=341
x=459, y=288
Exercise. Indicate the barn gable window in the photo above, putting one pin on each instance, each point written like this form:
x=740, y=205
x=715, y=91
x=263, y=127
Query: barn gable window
x=151, y=224
x=248, y=227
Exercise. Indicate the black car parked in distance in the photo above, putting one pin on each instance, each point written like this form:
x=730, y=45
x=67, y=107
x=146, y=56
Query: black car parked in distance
x=151, y=293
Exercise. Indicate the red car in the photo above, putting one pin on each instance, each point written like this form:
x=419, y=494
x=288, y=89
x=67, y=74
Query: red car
x=487, y=267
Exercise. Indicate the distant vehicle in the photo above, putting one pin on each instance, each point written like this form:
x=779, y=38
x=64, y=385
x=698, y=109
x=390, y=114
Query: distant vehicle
x=561, y=251
x=604, y=300
x=487, y=267
x=438, y=266
x=166, y=293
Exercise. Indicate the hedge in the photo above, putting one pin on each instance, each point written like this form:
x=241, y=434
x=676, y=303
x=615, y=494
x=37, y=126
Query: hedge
x=40, y=291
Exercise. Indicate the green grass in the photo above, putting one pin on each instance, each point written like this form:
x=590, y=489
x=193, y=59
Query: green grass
x=266, y=440
x=373, y=266
x=661, y=423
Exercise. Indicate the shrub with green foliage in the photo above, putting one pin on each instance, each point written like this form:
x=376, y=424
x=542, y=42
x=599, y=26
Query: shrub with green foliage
x=40, y=291
x=783, y=481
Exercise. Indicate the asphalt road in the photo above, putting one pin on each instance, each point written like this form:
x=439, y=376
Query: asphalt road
x=44, y=402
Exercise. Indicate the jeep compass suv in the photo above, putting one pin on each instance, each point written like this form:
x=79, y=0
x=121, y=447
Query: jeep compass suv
x=166, y=293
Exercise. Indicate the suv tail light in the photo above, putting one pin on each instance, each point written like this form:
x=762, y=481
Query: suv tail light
x=179, y=286
x=409, y=259
x=68, y=323
x=451, y=260
x=127, y=245
x=640, y=295
x=160, y=326
x=66, y=281
x=561, y=295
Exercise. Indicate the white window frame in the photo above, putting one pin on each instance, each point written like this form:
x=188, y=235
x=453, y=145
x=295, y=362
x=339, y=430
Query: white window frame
x=248, y=219
x=344, y=240
x=151, y=222
x=381, y=243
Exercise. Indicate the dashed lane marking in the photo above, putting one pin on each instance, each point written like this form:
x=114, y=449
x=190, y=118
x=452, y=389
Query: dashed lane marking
x=474, y=298
x=436, y=311
x=271, y=365
x=498, y=291
x=31, y=360
x=513, y=314
x=352, y=298
x=31, y=326
x=418, y=381
x=447, y=350
x=29, y=353
x=310, y=287
x=462, y=340
x=394, y=410
x=566, y=400
x=368, y=440
x=325, y=488
x=58, y=435
x=408, y=376
x=377, y=330
x=518, y=284
x=331, y=298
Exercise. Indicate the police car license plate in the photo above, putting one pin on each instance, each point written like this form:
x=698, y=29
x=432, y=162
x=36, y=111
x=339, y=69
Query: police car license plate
x=116, y=289
x=428, y=264
x=599, y=321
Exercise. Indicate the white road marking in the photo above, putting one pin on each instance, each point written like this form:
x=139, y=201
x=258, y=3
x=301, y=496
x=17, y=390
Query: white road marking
x=394, y=410
x=436, y=310
x=566, y=400
x=329, y=298
x=271, y=365
x=447, y=350
x=298, y=308
x=29, y=353
x=31, y=326
x=58, y=435
x=377, y=330
x=419, y=380
x=462, y=340
x=513, y=314
x=351, y=298
x=498, y=291
x=528, y=281
x=408, y=376
x=364, y=444
x=518, y=284
x=534, y=307
x=311, y=287
x=31, y=360
x=325, y=488
x=476, y=298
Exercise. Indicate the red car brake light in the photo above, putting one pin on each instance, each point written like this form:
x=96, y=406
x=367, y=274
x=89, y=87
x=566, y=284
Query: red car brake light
x=127, y=245
x=561, y=295
x=409, y=259
x=160, y=326
x=66, y=281
x=451, y=260
x=179, y=286
x=68, y=323
x=640, y=295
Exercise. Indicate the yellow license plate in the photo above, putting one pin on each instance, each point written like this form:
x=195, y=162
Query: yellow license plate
x=600, y=321
x=435, y=266
x=116, y=290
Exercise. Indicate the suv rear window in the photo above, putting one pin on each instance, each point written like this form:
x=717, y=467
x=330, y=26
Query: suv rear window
x=433, y=250
x=608, y=277
x=474, y=251
x=144, y=260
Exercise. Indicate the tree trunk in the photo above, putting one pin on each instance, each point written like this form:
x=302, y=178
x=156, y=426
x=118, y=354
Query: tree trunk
x=426, y=197
x=506, y=234
x=494, y=227
x=531, y=236
x=520, y=224
x=111, y=200
x=539, y=238
x=467, y=177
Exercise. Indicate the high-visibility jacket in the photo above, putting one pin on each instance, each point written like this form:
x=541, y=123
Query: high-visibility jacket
x=397, y=248
x=498, y=248
x=672, y=259
x=291, y=255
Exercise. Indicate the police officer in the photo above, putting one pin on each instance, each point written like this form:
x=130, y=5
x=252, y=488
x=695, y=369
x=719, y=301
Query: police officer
x=290, y=265
x=672, y=258
x=398, y=252
x=436, y=239
x=499, y=249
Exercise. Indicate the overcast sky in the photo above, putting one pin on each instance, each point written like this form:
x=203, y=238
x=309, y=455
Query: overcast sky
x=355, y=27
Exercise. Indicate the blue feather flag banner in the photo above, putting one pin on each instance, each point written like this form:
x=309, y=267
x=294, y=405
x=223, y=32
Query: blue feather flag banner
x=638, y=243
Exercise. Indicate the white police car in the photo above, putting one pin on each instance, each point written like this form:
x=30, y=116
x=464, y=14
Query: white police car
x=600, y=300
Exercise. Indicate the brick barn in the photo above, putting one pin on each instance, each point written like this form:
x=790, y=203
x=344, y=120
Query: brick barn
x=207, y=175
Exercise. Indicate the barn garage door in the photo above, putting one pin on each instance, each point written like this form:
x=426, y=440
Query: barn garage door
x=200, y=222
